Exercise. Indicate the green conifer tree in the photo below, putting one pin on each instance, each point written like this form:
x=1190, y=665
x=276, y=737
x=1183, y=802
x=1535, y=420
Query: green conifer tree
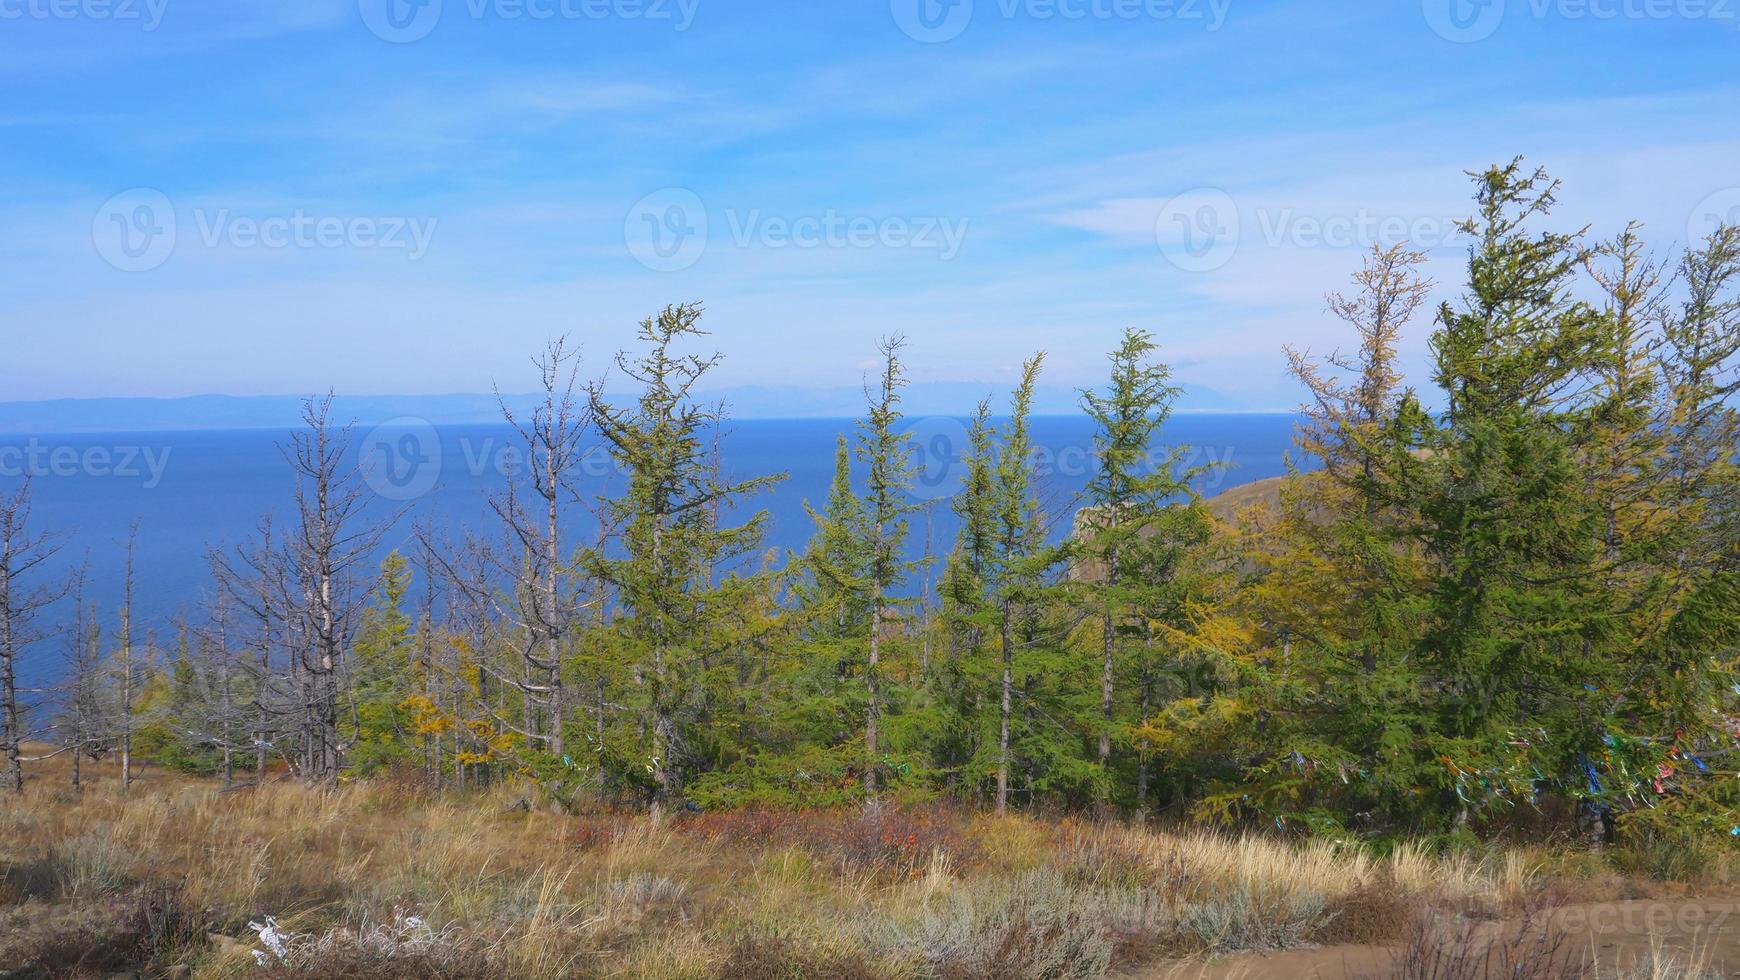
x=684, y=599
x=382, y=675
x=957, y=687
x=886, y=452
x=1023, y=562
x=1127, y=499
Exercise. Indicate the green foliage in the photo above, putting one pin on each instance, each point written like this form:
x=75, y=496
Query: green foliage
x=165, y=729
x=385, y=729
x=808, y=776
x=885, y=449
x=689, y=613
x=1518, y=589
x=1516, y=597
x=1141, y=538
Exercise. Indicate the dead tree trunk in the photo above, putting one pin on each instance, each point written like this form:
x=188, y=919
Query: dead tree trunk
x=333, y=537
x=22, y=556
x=543, y=592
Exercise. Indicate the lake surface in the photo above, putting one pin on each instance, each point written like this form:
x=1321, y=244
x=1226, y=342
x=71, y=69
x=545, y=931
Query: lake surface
x=196, y=490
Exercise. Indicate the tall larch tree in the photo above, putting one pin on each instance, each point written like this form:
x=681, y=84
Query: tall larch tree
x=885, y=450
x=677, y=614
x=1022, y=557
x=1125, y=497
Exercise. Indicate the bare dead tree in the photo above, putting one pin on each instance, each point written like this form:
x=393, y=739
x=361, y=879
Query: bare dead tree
x=125, y=665
x=252, y=579
x=543, y=595
x=85, y=721
x=220, y=711
x=23, y=557
x=332, y=538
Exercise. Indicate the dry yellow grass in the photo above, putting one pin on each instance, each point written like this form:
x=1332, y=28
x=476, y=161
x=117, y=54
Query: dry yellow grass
x=506, y=891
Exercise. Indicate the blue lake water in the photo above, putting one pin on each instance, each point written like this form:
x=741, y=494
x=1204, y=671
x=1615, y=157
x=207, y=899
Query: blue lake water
x=193, y=491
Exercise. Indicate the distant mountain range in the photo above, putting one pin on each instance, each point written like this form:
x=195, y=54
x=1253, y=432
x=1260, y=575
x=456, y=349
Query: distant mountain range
x=744, y=402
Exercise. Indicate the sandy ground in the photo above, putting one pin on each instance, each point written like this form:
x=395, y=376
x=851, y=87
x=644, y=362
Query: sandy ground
x=1616, y=934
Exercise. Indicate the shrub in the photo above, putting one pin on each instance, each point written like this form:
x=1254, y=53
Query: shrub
x=1667, y=857
x=406, y=948
x=763, y=956
x=1439, y=946
x=91, y=864
x=1371, y=914
x=877, y=837
x=1657, y=964
x=147, y=929
x=590, y=832
x=647, y=893
x=813, y=777
x=1249, y=917
x=1037, y=925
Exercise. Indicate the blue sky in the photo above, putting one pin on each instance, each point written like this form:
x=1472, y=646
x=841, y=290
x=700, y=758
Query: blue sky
x=413, y=205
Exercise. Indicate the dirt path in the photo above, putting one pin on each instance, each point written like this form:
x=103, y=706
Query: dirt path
x=1615, y=933
x=1294, y=964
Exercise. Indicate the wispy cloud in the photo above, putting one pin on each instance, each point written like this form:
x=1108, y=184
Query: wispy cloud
x=1052, y=147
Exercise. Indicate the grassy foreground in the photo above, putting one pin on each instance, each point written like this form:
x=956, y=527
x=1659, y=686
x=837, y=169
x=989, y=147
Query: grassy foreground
x=387, y=879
